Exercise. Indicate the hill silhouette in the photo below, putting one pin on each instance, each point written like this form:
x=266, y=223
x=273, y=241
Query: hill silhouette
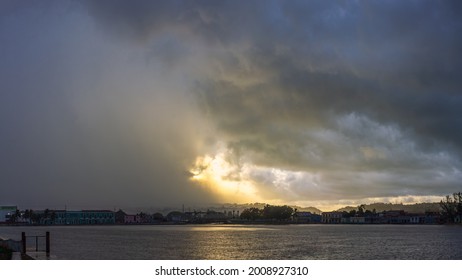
x=410, y=208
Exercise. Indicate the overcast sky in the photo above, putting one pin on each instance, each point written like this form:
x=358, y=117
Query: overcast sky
x=164, y=103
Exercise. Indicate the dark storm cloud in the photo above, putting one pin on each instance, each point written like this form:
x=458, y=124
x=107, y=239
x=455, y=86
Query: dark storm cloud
x=362, y=97
x=395, y=62
x=214, y=21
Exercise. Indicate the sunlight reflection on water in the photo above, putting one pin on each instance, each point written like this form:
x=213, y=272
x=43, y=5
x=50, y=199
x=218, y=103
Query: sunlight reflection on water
x=229, y=228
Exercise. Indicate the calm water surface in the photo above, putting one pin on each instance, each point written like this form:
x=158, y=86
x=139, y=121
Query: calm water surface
x=250, y=242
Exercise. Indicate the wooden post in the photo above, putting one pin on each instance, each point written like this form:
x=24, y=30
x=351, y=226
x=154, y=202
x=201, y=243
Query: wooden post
x=47, y=236
x=36, y=243
x=23, y=242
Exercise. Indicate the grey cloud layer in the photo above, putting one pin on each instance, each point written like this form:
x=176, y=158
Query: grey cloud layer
x=288, y=72
x=395, y=61
x=362, y=97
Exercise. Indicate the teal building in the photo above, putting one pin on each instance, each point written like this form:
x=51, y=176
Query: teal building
x=82, y=217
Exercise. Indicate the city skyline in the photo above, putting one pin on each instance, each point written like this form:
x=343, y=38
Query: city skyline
x=160, y=103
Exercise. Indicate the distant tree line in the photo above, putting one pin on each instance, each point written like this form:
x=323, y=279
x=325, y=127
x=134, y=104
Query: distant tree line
x=361, y=212
x=33, y=217
x=269, y=212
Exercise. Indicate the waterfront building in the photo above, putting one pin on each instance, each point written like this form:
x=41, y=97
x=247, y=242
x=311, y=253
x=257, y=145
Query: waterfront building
x=6, y=212
x=120, y=217
x=129, y=219
x=358, y=220
x=332, y=217
x=395, y=217
x=134, y=219
x=177, y=217
x=417, y=218
x=432, y=218
x=372, y=218
x=82, y=217
x=306, y=218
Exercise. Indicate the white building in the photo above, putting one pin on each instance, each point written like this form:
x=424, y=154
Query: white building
x=6, y=212
x=417, y=219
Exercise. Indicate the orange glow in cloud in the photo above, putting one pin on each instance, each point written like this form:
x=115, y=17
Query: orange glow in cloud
x=222, y=178
x=235, y=182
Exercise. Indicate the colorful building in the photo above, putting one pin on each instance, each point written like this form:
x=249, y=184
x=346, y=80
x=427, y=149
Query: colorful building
x=82, y=217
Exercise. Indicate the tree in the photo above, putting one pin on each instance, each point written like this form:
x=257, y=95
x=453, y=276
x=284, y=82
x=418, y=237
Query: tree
x=143, y=217
x=35, y=218
x=53, y=216
x=458, y=201
x=158, y=216
x=252, y=213
x=361, y=209
x=295, y=213
x=27, y=214
x=352, y=213
x=15, y=216
x=269, y=212
x=277, y=212
x=46, y=215
x=451, y=207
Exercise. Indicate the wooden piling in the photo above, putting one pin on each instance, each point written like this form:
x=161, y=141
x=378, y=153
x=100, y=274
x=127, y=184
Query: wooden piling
x=47, y=237
x=23, y=243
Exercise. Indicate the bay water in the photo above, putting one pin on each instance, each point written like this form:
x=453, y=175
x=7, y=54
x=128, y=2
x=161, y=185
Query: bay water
x=244, y=242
